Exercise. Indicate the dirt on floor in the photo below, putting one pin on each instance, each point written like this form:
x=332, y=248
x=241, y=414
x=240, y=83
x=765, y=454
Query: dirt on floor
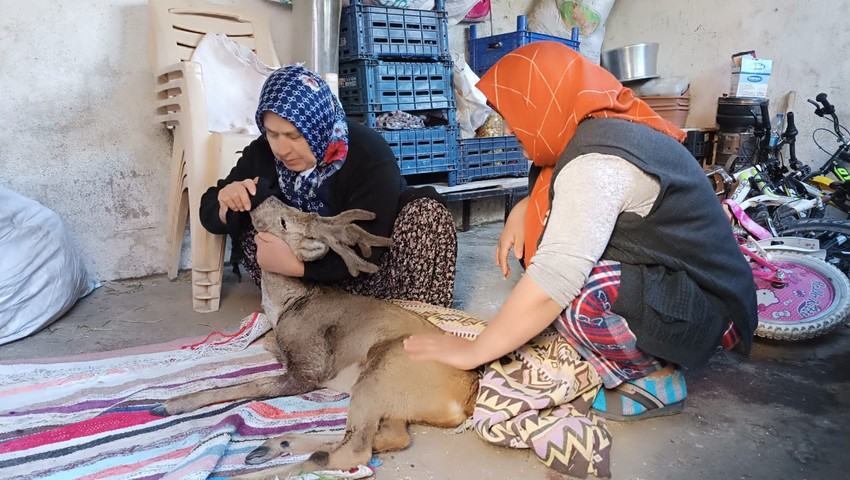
x=784, y=412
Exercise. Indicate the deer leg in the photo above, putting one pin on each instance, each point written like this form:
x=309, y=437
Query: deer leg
x=294, y=444
x=392, y=435
x=270, y=344
x=354, y=449
x=280, y=386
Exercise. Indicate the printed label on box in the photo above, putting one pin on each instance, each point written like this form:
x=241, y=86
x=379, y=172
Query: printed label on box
x=750, y=78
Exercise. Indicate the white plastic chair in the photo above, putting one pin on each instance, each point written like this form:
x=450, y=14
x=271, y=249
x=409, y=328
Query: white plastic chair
x=199, y=157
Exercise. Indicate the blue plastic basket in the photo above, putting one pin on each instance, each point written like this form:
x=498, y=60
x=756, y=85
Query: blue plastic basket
x=424, y=150
x=373, y=32
x=486, y=51
x=378, y=86
x=490, y=157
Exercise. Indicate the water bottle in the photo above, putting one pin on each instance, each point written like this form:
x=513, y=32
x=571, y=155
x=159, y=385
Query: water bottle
x=776, y=129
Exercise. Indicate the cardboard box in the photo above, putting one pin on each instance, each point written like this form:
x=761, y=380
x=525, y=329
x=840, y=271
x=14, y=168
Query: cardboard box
x=750, y=76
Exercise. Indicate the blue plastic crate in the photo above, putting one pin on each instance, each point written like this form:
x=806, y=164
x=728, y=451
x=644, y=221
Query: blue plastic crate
x=379, y=86
x=424, y=150
x=374, y=32
x=490, y=157
x=486, y=51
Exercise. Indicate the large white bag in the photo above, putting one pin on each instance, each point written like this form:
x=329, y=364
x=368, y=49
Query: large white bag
x=233, y=78
x=558, y=17
x=42, y=273
x=472, y=109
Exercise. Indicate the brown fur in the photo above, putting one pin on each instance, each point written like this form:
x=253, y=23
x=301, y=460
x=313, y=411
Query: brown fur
x=325, y=337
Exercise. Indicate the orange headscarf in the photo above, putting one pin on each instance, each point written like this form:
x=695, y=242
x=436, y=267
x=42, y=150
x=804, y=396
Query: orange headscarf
x=543, y=90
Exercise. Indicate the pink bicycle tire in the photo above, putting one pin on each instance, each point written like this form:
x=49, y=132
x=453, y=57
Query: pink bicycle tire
x=815, y=300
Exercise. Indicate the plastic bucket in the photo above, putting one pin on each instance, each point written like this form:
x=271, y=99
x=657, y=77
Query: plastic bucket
x=736, y=114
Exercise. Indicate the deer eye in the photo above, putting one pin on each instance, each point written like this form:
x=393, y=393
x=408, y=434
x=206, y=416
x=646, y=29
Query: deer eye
x=283, y=223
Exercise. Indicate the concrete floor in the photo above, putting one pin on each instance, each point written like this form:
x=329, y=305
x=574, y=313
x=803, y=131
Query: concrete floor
x=782, y=413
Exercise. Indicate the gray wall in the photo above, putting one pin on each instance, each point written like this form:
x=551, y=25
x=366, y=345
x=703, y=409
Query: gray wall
x=76, y=102
x=807, y=40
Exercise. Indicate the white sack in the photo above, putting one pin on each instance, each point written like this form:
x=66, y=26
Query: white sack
x=233, y=77
x=558, y=17
x=472, y=109
x=42, y=273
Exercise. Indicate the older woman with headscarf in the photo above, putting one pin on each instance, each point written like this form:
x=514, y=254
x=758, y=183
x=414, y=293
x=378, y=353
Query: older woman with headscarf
x=318, y=161
x=628, y=252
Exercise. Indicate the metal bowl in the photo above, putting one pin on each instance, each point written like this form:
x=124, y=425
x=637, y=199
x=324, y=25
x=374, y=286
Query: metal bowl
x=632, y=62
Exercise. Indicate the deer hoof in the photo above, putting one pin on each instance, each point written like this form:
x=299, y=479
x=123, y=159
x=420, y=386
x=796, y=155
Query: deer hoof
x=159, y=411
x=257, y=456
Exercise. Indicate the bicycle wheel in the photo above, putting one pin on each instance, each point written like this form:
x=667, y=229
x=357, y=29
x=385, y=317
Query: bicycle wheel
x=815, y=300
x=833, y=234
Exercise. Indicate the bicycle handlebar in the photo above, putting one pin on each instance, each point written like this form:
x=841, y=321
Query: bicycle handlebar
x=764, y=131
x=828, y=109
x=789, y=136
x=790, y=129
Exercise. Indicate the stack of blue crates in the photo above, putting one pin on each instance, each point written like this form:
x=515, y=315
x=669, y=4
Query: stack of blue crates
x=481, y=158
x=398, y=59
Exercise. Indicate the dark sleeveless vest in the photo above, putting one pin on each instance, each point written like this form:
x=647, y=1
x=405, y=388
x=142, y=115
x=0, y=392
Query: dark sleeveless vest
x=683, y=276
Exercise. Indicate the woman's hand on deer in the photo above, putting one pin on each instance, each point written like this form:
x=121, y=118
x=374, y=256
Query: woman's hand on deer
x=512, y=236
x=444, y=348
x=275, y=255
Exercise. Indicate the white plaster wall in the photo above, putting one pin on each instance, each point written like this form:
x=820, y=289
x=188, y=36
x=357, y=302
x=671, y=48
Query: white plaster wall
x=77, y=123
x=807, y=40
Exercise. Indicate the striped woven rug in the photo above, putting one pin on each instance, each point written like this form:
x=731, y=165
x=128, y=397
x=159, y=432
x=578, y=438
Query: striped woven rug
x=86, y=417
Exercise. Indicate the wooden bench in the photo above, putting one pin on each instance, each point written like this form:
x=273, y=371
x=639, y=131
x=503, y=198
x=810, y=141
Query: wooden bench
x=513, y=189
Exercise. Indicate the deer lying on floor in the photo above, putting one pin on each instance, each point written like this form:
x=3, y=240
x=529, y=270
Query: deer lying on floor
x=325, y=337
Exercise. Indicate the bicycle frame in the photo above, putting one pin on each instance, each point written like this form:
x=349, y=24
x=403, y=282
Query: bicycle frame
x=752, y=178
x=774, y=275
x=758, y=239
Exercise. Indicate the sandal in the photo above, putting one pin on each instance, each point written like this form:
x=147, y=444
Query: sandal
x=642, y=398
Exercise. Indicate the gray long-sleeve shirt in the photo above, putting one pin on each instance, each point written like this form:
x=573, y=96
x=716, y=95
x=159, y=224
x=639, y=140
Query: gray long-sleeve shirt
x=590, y=193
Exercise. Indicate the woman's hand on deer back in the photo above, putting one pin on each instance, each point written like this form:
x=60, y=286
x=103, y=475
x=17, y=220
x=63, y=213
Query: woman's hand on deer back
x=444, y=348
x=275, y=255
x=513, y=236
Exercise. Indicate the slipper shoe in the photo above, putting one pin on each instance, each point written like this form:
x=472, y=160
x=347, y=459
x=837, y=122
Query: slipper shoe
x=642, y=398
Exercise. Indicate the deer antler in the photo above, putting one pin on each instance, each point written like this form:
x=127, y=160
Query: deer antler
x=310, y=235
x=340, y=233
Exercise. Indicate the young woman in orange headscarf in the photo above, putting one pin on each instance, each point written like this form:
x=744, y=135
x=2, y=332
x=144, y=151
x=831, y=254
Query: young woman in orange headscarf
x=628, y=252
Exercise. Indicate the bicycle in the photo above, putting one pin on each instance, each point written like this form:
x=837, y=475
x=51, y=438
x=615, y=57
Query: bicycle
x=838, y=161
x=779, y=187
x=800, y=296
x=781, y=264
x=785, y=201
x=771, y=211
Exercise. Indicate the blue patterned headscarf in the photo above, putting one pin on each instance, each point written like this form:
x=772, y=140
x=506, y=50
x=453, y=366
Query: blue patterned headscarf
x=303, y=98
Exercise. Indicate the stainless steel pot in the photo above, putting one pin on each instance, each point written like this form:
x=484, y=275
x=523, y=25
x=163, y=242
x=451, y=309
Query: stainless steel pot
x=632, y=62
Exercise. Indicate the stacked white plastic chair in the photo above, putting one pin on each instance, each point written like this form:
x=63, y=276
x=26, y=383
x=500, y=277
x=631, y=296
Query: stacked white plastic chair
x=200, y=156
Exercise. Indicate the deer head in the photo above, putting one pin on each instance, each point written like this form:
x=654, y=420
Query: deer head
x=310, y=235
